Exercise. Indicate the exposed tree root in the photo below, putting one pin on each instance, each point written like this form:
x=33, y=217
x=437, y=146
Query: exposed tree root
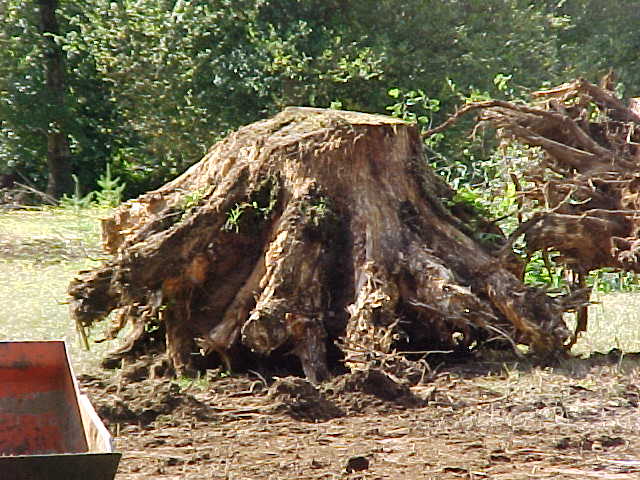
x=312, y=229
x=585, y=186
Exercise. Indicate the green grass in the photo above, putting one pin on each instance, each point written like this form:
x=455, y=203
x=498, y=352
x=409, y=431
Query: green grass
x=40, y=251
x=614, y=322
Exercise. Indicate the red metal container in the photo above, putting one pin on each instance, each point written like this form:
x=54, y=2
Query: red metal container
x=47, y=429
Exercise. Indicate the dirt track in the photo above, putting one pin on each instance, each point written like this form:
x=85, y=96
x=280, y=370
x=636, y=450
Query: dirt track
x=497, y=420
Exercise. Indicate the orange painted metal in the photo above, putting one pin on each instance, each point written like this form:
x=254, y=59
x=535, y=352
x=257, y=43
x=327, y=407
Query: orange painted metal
x=38, y=402
x=47, y=429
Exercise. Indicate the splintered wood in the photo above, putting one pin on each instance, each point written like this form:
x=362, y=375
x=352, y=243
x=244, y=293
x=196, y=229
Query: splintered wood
x=319, y=235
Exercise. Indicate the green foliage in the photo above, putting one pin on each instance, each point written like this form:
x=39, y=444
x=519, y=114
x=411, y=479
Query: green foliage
x=243, y=215
x=595, y=37
x=108, y=195
x=247, y=216
x=27, y=112
x=317, y=212
x=234, y=214
x=191, y=200
x=413, y=106
x=152, y=84
x=198, y=383
x=23, y=123
x=320, y=219
x=543, y=272
x=109, y=192
x=77, y=201
x=548, y=274
x=204, y=68
x=607, y=280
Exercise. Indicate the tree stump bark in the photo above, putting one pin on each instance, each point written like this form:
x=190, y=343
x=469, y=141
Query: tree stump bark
x=312, y=229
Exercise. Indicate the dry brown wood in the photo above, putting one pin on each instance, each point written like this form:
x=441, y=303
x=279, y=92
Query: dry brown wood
x=593, y=199
x=311, y=228
x=588, y=179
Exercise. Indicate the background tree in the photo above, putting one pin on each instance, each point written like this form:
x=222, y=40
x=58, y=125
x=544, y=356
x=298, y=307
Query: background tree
x=28, y=110
x=21, y=96
x=152, y=84
x=58, y=161
x=601, y=36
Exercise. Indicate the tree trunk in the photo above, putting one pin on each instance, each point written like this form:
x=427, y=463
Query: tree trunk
x=58, y=153
x=307, y=230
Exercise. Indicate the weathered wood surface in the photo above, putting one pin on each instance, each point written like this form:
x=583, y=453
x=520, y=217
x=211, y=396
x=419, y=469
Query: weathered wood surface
x=294, y=234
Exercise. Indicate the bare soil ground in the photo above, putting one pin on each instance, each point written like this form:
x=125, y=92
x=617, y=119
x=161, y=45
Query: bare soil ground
x=500, y=419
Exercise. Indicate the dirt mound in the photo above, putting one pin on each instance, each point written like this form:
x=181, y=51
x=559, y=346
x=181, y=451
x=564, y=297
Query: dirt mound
x=301, y=400
x=140, y=402
x=371, y=389
x=374, y=382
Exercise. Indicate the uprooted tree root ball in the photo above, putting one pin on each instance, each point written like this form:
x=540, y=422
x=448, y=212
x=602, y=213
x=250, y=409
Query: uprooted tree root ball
x=316, y=234
x=582, y=180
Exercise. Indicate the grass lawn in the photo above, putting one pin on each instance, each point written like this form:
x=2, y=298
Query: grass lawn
x=40, y=251
x=614, y=322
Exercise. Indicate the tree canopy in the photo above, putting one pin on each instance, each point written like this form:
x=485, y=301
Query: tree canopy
x=151, y=84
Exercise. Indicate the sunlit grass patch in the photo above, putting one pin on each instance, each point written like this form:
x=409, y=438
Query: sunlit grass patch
x=52, y=222
x=40, y=251
x=50, y=234
x=614, y=322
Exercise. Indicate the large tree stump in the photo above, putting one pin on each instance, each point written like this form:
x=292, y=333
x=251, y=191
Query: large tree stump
x=307, y=230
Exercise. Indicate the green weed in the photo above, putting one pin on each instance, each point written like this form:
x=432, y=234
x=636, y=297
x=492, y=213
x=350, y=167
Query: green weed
x=246, y=216
x=200, y=382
